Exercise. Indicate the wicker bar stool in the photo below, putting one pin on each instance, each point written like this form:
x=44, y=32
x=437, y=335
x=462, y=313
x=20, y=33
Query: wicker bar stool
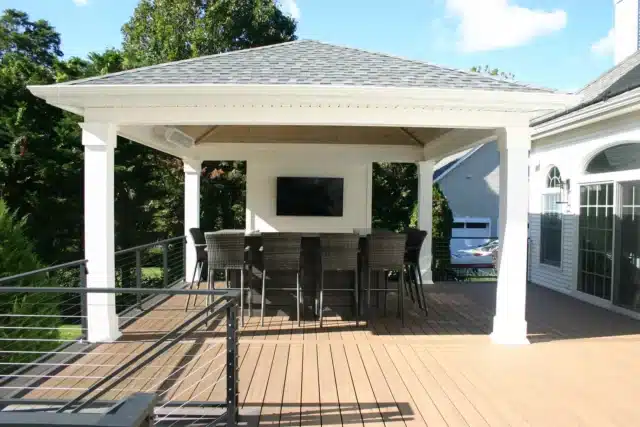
x=226, y=251
x=339, y=252
x=281, y=252
x=201, y=259
x=386, y=253
x=415, y=239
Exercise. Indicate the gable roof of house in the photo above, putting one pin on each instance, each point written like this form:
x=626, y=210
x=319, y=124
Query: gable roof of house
x=617, y=80
x=308, y=62
x=449, y=163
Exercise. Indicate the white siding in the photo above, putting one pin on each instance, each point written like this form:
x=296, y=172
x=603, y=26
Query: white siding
x=472, y=187
x=570, y=152
x=547, y=275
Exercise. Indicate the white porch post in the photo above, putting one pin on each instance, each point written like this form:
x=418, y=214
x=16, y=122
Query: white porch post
x=425, y=216
x=99, y=140
x=192, y=171
x=509, y=323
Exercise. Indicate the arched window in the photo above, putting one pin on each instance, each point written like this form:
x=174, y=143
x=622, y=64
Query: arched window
x=551, y=220
x=554, y=180
x=621, y=157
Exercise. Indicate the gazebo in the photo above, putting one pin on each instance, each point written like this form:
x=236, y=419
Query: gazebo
x=306, y=108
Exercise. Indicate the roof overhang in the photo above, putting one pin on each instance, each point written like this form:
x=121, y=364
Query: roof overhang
x=80, y=99
x=622, y=104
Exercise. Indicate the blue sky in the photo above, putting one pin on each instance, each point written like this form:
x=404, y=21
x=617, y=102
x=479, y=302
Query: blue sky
x=556, y=43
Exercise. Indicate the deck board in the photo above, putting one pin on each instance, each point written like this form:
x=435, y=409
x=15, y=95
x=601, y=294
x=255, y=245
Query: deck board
x=438, y=370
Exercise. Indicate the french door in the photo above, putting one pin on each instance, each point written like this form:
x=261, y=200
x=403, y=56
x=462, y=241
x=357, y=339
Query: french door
x=596, y=239
x=609, y=242
x=627, y=276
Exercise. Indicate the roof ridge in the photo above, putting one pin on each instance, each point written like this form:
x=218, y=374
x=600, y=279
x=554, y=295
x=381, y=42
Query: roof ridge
x=181, y=61
x=443, y=67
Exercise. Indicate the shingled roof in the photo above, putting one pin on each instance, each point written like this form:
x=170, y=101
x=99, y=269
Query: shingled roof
x=308, y=62
x=619, y=79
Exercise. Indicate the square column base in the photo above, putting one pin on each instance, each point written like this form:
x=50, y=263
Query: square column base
x=104, y=336
x=506, y=331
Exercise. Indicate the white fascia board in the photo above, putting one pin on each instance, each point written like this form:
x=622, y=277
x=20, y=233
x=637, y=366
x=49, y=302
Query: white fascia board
x=621, y=104
x=207, y=94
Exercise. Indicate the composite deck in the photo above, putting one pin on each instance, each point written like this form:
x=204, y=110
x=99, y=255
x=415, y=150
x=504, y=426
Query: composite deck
x=440, y=370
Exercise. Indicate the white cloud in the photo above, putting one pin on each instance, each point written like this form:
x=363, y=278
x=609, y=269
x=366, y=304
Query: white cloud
x=81, y=2
x=290, y=8
x=496, y=24
x=605, y=45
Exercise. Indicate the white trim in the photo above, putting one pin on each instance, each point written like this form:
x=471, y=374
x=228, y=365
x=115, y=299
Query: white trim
x=293, y=112
x=617, y=106
x=112, y=95
x=301, y=105
x=588, y=158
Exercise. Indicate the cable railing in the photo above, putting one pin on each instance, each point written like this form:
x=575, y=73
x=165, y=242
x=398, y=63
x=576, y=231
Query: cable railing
x=465, y=258
x=150, y=266
x=182, y=359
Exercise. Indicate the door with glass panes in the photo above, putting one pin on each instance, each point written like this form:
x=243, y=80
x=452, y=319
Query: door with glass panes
x=609, y=242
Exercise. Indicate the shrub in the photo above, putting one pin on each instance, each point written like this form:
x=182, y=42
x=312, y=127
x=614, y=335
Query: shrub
x=17, y=256
x=440, y=234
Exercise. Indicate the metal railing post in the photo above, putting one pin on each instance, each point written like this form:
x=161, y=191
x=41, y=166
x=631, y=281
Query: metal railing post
x=139, y=277
x=232, y=366
x=184, y=259
x=165, y=265
x=84, y=321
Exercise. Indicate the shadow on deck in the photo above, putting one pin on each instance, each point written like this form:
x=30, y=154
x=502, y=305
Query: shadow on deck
x=435, y=370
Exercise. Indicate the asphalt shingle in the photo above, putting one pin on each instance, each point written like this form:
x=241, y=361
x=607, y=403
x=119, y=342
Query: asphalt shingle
x=308, y=62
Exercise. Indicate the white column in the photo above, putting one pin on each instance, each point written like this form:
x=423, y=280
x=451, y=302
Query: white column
x=509, y=323
x=99, y=140
x=425, y=216
x=192, y=172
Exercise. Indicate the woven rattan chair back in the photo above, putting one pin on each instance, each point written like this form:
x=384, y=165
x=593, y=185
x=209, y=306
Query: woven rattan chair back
x=339, y=251
x=386, y=250
x=415, y=238
x=281, y=251
x=200, y=243
x=225, y=249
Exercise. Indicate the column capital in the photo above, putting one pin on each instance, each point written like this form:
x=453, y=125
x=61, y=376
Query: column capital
x=427, y=163
x=192, y=165
x=97, y=134
x=514, y=137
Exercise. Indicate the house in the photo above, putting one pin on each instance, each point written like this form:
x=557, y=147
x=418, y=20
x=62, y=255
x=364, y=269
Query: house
x=470, y=180
x=585, y=185
x=305, y=109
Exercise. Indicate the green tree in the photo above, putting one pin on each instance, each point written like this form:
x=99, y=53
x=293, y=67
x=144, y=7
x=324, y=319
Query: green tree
x=441, y=231
x=17, y=256
x=39, y=154
x=162, y=31
x=485, y=69
x=395, y=193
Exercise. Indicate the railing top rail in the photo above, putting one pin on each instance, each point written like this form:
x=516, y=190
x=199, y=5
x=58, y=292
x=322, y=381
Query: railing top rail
x=150, y=245
x=43, y=270
x=232, y=293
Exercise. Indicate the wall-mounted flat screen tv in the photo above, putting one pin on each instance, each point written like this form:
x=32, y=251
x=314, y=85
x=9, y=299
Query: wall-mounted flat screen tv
x=303, y=196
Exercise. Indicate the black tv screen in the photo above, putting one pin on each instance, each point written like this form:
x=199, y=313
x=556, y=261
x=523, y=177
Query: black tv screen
x=298, y=196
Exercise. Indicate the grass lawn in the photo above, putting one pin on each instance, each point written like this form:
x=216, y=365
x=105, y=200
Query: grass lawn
x=151, y=273
x=69, y=332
